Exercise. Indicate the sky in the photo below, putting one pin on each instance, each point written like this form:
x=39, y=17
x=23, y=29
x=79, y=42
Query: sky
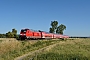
x=38, y=14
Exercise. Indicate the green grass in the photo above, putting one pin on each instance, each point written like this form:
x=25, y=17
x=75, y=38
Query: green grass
x=56, y=56
x=78, y=49
x=11, y=49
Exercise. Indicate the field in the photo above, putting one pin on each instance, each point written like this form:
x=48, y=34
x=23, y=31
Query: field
x=71, y=49
x=11, y=48
x=74, y=49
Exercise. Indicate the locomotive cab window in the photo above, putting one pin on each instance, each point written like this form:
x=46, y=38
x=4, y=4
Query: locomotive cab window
x=23, y=30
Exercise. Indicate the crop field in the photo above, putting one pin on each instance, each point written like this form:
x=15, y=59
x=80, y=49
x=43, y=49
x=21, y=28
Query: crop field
x=73, y=49
x=11, y=48
x=70, y=49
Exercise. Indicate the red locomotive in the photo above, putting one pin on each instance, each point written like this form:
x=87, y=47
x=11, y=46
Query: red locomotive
x=32, y=34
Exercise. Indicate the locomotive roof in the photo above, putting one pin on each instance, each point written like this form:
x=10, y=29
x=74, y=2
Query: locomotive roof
x=24, y=29
x=34, y=30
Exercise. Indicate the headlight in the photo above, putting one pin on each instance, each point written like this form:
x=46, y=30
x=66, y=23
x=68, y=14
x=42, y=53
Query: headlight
x=24, y=34
x=20, y=34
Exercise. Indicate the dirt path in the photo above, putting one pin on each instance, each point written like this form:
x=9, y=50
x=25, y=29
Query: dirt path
x=47, y=48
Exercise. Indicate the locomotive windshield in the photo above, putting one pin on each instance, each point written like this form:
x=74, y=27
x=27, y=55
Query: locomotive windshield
x=24, y=30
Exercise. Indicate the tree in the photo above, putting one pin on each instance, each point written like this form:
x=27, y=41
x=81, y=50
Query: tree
x=9, y=35
x=12, y=34
x=53, y=28
x=14, y=31
x=2, y=35
x=60, y=29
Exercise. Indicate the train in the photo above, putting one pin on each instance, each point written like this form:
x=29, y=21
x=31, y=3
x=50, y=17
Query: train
x=33, y=34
